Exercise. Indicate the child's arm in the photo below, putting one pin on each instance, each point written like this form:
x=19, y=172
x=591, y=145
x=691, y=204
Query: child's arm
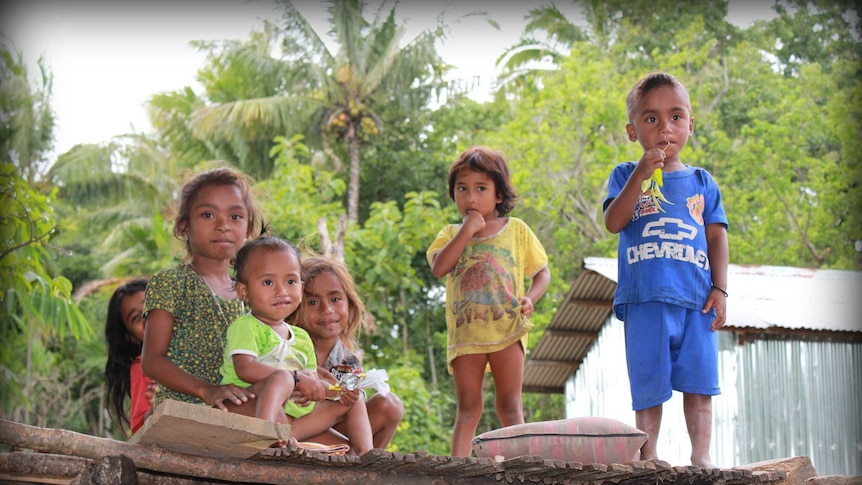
x=718, y=254
x=540, y=283
x=154, y=361
x=249, y=369
x=446, y=259
x=310, y=387
x=619, y=211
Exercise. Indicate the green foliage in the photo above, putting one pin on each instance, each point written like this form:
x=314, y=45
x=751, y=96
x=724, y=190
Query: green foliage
x=39, y=324
x=799, y=195
x=297, y=194
x=27, y=123
x=814, y=32
x=427, y=413
x=32, y=302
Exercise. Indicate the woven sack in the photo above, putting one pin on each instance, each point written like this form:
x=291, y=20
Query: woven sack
x=583, y=440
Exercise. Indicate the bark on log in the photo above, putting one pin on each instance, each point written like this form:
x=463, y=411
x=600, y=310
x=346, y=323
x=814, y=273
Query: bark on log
x=45, y=465
x=153, y=458
x=109, y=470
x=29, y=467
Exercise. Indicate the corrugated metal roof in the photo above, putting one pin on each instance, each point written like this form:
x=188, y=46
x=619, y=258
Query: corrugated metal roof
x=762, y=298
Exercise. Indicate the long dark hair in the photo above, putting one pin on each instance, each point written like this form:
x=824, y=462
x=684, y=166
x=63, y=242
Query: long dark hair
x=121, y=352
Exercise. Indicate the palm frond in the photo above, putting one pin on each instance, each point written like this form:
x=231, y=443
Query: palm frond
x=382, y=51
x=550, y=19
x=253, y=117
x=301, y=43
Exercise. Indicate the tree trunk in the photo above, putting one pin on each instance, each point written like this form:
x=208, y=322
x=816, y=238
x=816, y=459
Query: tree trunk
x=353, y=187
x=328, y=247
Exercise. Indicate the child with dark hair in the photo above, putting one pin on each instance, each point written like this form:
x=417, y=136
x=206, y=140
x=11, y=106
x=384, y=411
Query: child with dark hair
x=124, y=331
x=188, y=307
x=487, y=259
x=673, y=255
x=276, y=361
x=332, y=312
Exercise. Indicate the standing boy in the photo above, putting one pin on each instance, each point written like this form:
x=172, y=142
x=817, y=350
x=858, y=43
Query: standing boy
x=673, y=256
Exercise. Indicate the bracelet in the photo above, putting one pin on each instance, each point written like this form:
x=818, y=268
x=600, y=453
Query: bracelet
x=295, y=378
x=719, y=289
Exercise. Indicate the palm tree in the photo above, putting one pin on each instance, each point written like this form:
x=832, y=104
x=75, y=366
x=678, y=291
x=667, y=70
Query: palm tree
x=531, y=53
x=642, y=26
x=336, y=93
x=109, y=198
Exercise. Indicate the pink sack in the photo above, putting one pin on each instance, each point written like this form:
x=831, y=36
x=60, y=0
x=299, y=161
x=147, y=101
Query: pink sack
x=582, y=440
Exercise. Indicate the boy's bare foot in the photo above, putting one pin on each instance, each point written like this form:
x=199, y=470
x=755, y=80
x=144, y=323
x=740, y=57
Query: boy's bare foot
x=702, y=462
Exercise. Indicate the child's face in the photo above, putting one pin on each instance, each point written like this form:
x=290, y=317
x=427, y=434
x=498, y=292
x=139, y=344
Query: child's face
x=218, y=222
x=662, y=119
x=272, y=286
x=475, y=191
x=132, y=309
x=326, y=311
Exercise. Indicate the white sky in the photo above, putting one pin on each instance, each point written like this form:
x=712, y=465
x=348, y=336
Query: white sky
x=108, y=57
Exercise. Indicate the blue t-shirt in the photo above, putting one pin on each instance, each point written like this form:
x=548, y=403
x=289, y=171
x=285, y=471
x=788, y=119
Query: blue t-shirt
x=663, y=255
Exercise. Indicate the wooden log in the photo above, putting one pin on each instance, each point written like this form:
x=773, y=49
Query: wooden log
x=153, y=458
x=109, y=470
x=797, y=469
x=50, y=468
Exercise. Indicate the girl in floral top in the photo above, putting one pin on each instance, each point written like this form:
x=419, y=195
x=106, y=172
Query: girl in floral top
x=188, y=307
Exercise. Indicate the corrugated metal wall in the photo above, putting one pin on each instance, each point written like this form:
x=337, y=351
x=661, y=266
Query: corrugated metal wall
x=801, y=398
x=779, y=399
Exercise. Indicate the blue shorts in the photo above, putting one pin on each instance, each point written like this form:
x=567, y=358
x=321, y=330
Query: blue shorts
x=669, y=348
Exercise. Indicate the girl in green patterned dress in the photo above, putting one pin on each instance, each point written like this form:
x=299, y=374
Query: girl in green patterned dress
x=188, y=307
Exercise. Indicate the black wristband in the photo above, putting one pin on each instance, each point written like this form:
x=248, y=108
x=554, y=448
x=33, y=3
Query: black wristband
x=295, y=378
x=719, y=289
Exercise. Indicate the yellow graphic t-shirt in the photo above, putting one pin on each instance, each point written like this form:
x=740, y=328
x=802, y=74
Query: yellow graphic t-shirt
x=482, y=290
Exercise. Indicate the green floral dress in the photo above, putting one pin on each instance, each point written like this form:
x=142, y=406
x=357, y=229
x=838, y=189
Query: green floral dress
x=201, y=319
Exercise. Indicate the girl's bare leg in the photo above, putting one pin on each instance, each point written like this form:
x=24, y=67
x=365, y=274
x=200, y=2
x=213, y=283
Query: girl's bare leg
x=507, y=367
x=358, y=429
x=384, y=415
x=469, y=372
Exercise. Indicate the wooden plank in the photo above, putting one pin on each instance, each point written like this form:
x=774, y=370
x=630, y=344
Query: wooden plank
x=204, y=431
